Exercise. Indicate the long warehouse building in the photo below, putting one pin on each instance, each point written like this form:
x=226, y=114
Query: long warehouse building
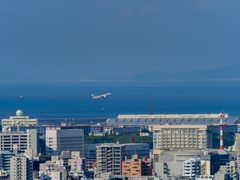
x=174, y=119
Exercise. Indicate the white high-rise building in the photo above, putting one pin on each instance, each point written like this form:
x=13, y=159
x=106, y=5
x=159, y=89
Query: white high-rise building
x=18, y=120
x=21, y=168
x=191, y=167
x=23, y=141
x=58, y=140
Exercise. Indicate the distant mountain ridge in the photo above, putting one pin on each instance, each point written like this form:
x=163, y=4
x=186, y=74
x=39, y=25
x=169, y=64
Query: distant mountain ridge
x=226, y=73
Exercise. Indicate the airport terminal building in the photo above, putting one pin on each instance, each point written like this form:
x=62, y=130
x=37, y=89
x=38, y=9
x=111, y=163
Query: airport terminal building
x=174, y=119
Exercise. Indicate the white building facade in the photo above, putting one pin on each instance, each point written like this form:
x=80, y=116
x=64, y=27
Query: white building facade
x=23, y=141
x=58, y=140
x=21, y=168
x=191, y=167
x=18, y=120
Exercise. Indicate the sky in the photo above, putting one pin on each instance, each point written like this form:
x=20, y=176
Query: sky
x=106, y=38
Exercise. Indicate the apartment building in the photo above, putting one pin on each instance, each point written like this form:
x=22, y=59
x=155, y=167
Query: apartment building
x=110, y=156
x=137, y=167
x=231, y=169
x=191, y=167
x=21, y=168
x=58, y=140
x=237, y=144
x=5, y=157
x=182, y=137
x=23, y=141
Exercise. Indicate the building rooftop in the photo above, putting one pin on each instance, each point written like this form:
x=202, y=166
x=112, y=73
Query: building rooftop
x=174, y=119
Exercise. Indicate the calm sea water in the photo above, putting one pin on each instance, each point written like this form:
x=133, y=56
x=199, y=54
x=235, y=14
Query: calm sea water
x=77, y=102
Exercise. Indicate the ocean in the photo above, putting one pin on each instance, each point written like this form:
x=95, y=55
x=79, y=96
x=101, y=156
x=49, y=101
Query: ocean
x=76, y=102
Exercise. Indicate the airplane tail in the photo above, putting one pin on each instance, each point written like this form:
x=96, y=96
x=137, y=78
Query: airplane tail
x=92, y=95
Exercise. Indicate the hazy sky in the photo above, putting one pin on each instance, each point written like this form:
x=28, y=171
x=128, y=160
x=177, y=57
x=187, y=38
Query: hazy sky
x=99, y=38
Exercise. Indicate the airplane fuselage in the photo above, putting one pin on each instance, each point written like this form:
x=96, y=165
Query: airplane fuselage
x=101, y=96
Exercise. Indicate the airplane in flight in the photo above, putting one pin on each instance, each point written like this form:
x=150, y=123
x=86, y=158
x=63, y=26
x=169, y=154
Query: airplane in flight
x=101, y=96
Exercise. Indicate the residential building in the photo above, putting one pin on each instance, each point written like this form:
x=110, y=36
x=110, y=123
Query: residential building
x=90, y=155
x=58, y=140
x=191, y=167
x=62, y=170
x=237, y=147
x=5, y=157
x=231, y=169
x=23, y=141
x=182, y=137
x=18, y=120
x=76, y=163
x=137, y=167
x=4, y=175
x=110, y=156
x=56, y=176
x=211, y=162
x=204, y=177
x=21, y=168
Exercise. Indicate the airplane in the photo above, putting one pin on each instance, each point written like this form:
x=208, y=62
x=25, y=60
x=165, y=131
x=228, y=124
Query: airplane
x=100, y=96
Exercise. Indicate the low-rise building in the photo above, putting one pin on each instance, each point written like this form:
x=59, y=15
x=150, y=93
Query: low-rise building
x=137, y=167
x=121, y=129
x=171, y=168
